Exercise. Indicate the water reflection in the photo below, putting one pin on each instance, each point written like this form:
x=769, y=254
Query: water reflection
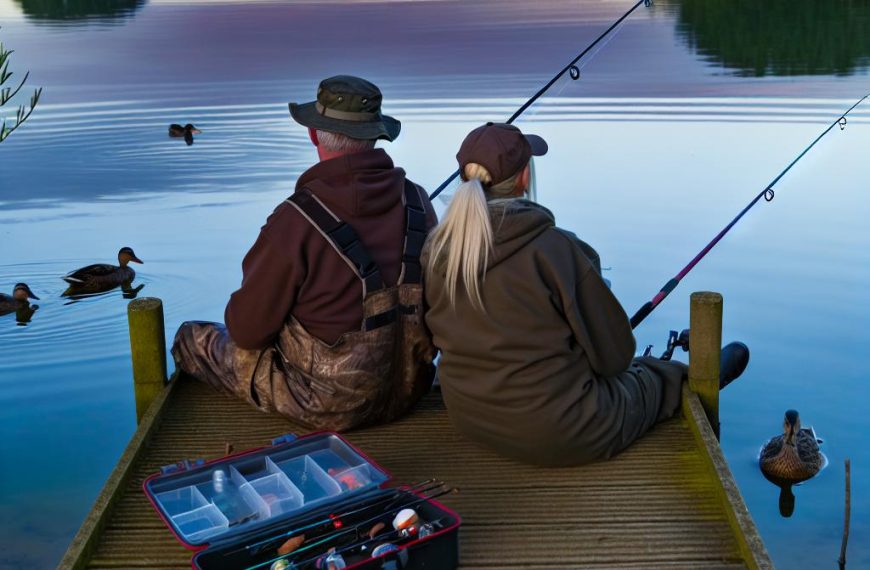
x=77, y=293
x=24, y=313
x=67, y=11
x=778, y=37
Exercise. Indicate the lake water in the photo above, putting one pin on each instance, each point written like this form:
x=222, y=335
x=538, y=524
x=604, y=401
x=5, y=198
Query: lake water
x=675, y=124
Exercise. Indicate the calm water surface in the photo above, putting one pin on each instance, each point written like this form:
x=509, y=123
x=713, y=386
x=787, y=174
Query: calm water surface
x=675, y=124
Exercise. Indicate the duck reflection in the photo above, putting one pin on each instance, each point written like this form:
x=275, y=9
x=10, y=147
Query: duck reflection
x=75, y=294
x=777, y=37
x=24, y=314
x=78, y=10
x=786, y=496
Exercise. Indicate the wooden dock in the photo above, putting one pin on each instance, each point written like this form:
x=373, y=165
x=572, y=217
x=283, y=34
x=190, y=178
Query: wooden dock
x=669, y=501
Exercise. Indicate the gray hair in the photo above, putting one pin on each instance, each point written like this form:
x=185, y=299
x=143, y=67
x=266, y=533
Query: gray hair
x=337, y=142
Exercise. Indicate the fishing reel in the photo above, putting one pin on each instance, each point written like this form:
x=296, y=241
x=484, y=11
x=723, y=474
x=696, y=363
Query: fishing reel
x=675, y=340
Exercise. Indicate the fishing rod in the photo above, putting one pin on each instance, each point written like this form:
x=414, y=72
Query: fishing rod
x=570, y=69
x=338, y=533
x=767, y=194
x=335, y=519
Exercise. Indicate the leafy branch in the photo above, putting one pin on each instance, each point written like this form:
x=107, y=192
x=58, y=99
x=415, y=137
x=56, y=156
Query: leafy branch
x=7, y=93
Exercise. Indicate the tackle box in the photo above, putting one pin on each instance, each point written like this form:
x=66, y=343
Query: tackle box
x=234, y=511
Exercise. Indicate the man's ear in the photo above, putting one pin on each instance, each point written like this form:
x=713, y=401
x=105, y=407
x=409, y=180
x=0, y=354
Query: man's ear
x=312, y=134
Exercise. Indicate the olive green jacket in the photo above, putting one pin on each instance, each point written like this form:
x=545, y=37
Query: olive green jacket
x=519, y=377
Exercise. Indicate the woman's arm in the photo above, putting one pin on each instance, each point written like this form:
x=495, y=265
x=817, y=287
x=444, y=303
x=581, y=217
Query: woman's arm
x=597, y=320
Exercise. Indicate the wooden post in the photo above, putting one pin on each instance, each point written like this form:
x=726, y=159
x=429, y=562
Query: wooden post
x=148, y=349
x=705, y=345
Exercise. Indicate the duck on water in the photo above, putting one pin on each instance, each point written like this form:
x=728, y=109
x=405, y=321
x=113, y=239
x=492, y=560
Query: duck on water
x=101, y=277
x=791, y=458
x=186, y=132
x=20, y=298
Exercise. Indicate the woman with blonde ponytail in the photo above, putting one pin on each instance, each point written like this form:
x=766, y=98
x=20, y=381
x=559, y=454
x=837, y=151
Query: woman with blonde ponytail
x=537, y=355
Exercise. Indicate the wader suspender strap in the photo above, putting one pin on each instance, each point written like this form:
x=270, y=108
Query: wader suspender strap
x=346, y=242
x=415, y=235
x=340, y=236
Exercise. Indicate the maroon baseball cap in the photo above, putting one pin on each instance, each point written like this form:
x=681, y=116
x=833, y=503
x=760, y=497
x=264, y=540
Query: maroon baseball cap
x=500, y=148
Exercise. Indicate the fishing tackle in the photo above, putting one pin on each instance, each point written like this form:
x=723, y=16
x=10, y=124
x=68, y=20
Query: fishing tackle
x=384, y=548
x=291, y=544
x=767, y=194
x=425, y=530
x=571, y=69
x=331, y=561
x=363, y=544
x=334, y=520
x=341, y=532
x=405, y=518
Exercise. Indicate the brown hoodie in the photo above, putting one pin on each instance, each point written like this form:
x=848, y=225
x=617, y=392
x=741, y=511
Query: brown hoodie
x=292, y=270
x=525, y=377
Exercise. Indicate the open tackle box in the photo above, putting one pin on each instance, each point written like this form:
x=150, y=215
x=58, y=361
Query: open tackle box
x=235, y=512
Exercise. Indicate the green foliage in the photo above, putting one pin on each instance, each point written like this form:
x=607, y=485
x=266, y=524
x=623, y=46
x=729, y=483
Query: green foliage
x=778, y=37
x=102, y=10
x=8, y=93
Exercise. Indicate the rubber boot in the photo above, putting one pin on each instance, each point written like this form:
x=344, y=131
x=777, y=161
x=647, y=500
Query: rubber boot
x=732, y=362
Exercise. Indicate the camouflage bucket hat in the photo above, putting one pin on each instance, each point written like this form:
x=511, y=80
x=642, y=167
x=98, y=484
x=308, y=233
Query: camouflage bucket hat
x=349, y=106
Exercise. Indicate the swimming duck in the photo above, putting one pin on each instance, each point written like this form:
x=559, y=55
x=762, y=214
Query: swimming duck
x=794, y=456
x=102, y=276
x=19, y=298
x=187, y=132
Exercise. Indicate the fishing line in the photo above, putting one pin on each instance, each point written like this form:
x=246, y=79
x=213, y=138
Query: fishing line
x=446, y=197
x=768, y=194
x=571, y=69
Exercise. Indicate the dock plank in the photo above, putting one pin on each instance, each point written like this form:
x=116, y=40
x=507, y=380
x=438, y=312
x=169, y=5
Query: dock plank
x=654, y=506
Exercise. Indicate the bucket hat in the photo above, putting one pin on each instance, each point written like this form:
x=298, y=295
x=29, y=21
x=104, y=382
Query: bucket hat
x=350, y=106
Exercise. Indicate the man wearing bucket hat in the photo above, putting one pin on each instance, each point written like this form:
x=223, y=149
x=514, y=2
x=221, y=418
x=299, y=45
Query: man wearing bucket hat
x=327, y=326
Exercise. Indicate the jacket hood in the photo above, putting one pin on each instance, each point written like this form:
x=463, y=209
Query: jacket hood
x=360, y=184
x=515, y=224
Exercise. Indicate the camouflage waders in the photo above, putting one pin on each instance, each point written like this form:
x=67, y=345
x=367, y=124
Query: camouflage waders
x=368, y=376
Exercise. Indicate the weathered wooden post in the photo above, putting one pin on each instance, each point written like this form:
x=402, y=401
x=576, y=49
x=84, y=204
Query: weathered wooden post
x=148, y=349
x=705, y=345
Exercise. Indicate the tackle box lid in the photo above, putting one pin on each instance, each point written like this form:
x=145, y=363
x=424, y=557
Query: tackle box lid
x=240, y=495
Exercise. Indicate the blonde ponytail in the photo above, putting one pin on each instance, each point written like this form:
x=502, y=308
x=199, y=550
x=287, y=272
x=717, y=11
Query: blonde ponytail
x=464, y=238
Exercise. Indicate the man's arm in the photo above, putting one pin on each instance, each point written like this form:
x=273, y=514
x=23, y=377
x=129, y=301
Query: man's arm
x=271, y=277
x=431, y=216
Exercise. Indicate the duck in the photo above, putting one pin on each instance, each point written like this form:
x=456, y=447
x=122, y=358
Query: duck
x=102, y=276
x=794, y=456
x=186, y=132
x=20, y=297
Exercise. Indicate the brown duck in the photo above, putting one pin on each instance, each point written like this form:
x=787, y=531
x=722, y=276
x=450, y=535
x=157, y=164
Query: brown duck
x=186, y=132
x=20, y=298
x=102, y=276
x=793, y=456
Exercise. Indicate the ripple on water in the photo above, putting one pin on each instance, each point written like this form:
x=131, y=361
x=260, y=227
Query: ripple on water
x=66, y=332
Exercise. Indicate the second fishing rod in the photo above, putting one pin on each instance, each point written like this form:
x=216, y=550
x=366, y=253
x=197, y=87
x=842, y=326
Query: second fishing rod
x=767, y=193
x=571, y=69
